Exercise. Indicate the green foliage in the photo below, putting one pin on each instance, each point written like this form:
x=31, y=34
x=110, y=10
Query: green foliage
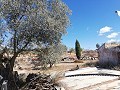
x=0, y=41
x=91, y=64
x=33, y=23
x=71, y=50
x=78, y=49
x=52, y=54
x=97, y=45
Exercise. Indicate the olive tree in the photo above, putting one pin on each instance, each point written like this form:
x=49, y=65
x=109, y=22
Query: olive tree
x=3, y=35
x=51, y=54
x=33, y=22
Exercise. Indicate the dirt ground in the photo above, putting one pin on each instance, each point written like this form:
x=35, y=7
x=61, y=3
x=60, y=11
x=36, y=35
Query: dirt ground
x=25, y=64
x=60, y=67
x=65, y=66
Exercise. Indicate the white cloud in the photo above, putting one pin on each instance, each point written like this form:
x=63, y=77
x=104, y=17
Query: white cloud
x=104, y=30
x=112, y=35
x=118, y=13
x=113, y=40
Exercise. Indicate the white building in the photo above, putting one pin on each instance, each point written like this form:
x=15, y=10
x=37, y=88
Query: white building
x=109, y=53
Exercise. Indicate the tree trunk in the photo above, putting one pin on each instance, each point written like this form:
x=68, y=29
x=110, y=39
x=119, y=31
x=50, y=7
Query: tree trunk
x=11, y=76
x=12, y=60
x=7, y=74
x=2, y=53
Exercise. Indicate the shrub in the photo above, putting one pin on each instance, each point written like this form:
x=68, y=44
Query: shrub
x=107, y=65
x=91, y=64
x=116, y=68
x=78, y=61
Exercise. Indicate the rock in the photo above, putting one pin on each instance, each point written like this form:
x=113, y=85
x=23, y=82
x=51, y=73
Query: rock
x=75, y=68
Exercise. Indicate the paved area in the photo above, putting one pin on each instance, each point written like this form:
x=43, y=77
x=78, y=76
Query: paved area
x=91, y=82
x=115, y=85
x=92, y=70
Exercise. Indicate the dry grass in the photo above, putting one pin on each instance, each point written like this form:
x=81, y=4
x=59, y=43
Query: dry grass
x=78, y=61
x=116, y=68
x=61, y=67
x=91, y=63
x=57, y=77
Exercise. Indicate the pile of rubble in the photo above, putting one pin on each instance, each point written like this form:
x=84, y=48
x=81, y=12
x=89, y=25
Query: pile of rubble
x=39, y=82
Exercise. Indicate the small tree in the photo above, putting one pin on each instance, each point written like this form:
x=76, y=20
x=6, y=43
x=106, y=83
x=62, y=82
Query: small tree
x=51, y=54
x=97, y=45
x=71, y=50
x=78, y=49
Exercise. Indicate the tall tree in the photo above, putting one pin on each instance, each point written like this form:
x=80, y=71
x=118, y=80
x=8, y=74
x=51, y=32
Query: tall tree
x=33, y=22
x=78, y=49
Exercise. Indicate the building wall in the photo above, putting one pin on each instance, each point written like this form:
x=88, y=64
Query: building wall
x=106, y=55
x=111, y=45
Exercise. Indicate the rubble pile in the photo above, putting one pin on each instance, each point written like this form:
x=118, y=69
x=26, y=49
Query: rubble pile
x=39, y=82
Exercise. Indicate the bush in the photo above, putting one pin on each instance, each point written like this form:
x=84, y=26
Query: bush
x=30, y=77
x=78, y=61
x=116, y=68
x=107, y=65
x=21, y=83
x=22, y=80
x=91, y=64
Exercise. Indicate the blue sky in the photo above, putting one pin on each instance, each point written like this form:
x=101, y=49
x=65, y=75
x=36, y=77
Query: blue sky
x=92, y=21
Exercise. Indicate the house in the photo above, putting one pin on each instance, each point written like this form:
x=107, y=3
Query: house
x=109, y=53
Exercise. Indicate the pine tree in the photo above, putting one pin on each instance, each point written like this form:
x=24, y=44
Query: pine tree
x=78, y=49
